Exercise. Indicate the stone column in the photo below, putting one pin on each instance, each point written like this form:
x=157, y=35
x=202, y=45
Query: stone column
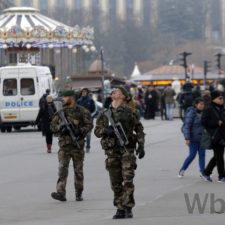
x=208, y=19
x=121, y=9
x=138, y=11
x=104, y=10
x=154, y=13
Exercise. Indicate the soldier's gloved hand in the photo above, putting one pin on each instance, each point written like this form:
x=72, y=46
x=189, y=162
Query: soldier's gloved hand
x=109, y=131
x=140, y=151
x=63, y=130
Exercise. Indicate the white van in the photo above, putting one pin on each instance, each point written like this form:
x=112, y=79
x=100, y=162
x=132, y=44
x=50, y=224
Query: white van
x=21, y=88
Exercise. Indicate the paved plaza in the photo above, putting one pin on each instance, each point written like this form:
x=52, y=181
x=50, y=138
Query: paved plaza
x=28, y=176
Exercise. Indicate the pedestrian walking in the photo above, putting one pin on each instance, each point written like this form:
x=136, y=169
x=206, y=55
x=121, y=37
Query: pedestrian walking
x=80, y=123
x=192, y=130
x=186, y=99
x=43, y=99
x=44, y=118
x=87, y=102
x=151, y=103
x=213, y=120
x=169, y=94
x=121, y=159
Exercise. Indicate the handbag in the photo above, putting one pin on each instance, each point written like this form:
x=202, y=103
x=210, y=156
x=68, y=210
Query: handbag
x=208, y=140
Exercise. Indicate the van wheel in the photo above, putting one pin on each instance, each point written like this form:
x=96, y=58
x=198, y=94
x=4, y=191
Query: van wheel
x=3, y=129
x=9, y=129
x=17, y=128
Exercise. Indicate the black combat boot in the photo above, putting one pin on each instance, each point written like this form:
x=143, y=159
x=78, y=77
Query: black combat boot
x=128, y=213
x=79, y=197
x=59, y=196
x=120, y=214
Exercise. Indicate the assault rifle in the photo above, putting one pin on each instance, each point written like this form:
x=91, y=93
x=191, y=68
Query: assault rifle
x=69, y=126
x=118, y=129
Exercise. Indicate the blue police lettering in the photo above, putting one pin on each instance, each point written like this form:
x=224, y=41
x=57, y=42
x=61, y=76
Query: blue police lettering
x=7, y=104
x=19, y=104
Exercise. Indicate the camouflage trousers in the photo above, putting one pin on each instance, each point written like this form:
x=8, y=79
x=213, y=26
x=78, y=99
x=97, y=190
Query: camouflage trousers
x=121, y=168
x=64, y=157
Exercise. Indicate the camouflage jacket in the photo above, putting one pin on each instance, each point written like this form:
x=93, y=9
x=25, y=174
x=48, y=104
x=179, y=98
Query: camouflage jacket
x=79, y=117
x=130, y=123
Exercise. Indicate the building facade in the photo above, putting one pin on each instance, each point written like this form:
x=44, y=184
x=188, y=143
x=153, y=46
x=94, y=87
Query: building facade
x=143, y=12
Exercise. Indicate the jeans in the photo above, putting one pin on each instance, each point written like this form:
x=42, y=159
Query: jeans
x=193, y=149
x=216, y=160
x=169, y=110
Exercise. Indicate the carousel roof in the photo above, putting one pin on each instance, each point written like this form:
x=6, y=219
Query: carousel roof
x=23, y=25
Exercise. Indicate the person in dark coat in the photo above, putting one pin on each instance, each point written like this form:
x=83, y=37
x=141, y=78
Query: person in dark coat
x=43, y=99
x=45, y=117
x=192, y=130
x=213, y=119
x=207, y=98
x=87, y=102
x=151, y=101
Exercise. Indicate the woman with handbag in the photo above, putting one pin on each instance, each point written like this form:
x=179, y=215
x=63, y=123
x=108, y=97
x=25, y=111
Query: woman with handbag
x=213, y=120
x=192, y=130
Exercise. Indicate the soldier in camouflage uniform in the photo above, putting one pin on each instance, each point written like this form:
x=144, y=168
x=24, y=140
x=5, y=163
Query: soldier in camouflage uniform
x=121, y=161
x=81, y=119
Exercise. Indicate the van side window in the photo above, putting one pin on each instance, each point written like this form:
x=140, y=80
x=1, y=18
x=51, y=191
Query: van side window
x=10, y=87
x=27, y=86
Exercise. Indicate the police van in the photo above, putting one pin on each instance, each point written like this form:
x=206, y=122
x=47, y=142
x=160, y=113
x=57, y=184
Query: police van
x=21, y=87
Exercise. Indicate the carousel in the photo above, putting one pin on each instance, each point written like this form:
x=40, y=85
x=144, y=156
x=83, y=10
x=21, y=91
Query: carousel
x=26, y=36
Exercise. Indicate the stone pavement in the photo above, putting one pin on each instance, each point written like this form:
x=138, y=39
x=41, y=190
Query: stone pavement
x=28, y=176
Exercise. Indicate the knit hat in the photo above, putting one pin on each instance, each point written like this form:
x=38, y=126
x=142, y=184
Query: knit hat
x=124, y=91
x=215, y=94
x=68, y=93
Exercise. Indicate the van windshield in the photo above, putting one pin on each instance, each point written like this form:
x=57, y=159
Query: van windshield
x=27, y=86
x=10, y=87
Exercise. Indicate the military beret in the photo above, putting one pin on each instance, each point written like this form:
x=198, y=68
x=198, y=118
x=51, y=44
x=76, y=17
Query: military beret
x=67, y=93
x=123, y=90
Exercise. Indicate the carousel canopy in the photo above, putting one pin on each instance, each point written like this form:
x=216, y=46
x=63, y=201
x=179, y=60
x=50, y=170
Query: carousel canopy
x=25, y=26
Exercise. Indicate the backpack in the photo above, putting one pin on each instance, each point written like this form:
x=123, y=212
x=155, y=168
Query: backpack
x=188, y=99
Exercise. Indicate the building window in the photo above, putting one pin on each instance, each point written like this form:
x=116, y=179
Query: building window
x=95, y=4
x=112, y=11
x=43, y=5
x=146, y=11
x=26, y=3
x=130, y=6
x=78, y=4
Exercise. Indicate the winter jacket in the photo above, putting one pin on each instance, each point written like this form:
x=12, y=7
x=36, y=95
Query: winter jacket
x=44, y=117
x=87, y=103
x=192, y=127
x=169, y=94
x=211, y=117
